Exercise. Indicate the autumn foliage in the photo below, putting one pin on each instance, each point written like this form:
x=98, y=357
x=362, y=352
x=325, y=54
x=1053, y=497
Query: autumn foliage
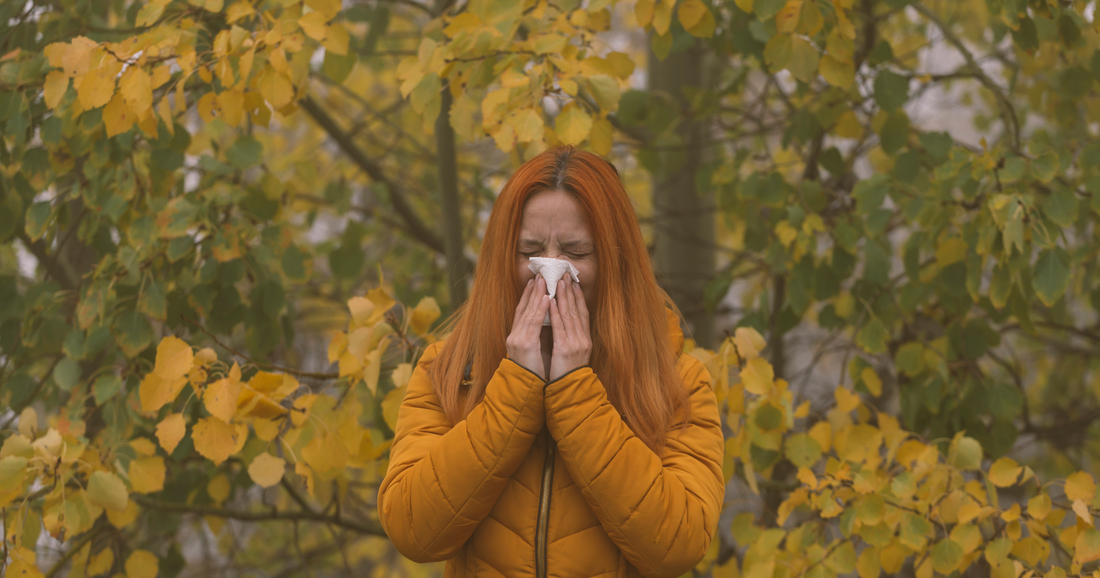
x=221, y=239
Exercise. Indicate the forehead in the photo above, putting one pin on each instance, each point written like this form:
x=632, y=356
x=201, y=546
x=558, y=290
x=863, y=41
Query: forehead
x=553, y=214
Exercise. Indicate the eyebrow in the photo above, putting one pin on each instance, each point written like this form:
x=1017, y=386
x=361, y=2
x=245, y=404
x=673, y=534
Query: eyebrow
x=564, y=244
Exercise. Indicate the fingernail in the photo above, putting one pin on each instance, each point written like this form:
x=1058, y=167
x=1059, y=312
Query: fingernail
x=529, y=282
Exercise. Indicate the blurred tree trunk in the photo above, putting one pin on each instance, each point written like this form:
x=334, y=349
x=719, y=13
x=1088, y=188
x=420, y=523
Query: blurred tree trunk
x=457, y=264
x=683, y=210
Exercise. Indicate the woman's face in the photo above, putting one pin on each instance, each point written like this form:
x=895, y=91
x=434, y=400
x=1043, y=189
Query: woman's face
x=553, y=226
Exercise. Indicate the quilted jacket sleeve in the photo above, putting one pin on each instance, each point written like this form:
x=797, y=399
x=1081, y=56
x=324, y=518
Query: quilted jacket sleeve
x=443, y=480
x=660, y=511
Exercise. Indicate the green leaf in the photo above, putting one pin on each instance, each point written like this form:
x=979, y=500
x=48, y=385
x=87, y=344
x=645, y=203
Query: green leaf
x=891, y=90
x=966, y=454
x=802, y=450
x=777, y=52
x=105, y=387
x=153, y=302
x=339, y=66
x=245, y=152
x=606, y=91
x=843, y=558
x=1045, y=167
x=768, y=417
x=872, y=338
x=766, y=9
x=294, y=263
x=67, y=373
x=946, y=556
x=804, y=60
x=894, y=133
x=37, y=218
x=1061, y=207
x=107, y=491
x=915, y=531
x=132, y=332
x=1050, y=275
x=937, y=144
x=1074, y=82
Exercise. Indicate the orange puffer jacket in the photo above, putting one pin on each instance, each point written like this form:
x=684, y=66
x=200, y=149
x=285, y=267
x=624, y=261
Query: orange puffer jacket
x=547, y=480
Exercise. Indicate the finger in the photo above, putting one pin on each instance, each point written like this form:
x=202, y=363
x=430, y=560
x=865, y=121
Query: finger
x=568, y=309
x=556, y=323
x=582, y=306
x=525, y=297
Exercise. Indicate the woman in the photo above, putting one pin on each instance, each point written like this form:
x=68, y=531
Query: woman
x=591, y=447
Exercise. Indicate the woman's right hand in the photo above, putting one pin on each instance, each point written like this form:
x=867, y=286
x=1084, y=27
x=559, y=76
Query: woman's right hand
x=524, y=343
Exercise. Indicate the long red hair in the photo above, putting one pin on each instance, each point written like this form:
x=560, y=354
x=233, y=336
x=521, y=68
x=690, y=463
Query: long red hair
x=631, y=352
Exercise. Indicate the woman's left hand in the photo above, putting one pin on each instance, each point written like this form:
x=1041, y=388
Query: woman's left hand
x=569, y=322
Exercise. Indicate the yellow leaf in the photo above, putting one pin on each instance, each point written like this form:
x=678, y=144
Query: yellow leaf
x=125, y=517
x=117, y=117
x=383, y=302
x=155, y=391
x=147, y=474
x=787, y=18
x=336, y=40
x=57, y=82
x=143, y=447
x=303, y=470
x=757, y=376
x=744, y=5
x=572, y=124
x=362, y=309
x=218, y=488
x=846, y=400
x=951, y=251
x=101, y=562
x=275, y=87
x=136, y=88
x=401, y=375
x=847, y=125
x=662, y=16
x=231, y=105
x=528, y=126
x=749, y=342
x=601, y=137
x=170, y=431
x=1039, y=506
x=267, y=470
x=872, y=381
x=238, y=11
x=427, y=310
x=837, y=73
x=97, y=86
x=1087, y=546
x=221, y=396
x=214, y=439
x=302, y=406
x=391, y=404
x=461, y=22
x=1081, y=509
x=643, y=12
x=802, y=410
x=330, y=8
x=28, y=422
x=1080, y=486
x=142, y=564
x=869, y=565
x=107, y=491
x=374, y=366
x=324, y=453
x=691, y=12
x=174, y=358
x=23, y=564
x=267, y=429
x=1004, y=472
x=313, y=24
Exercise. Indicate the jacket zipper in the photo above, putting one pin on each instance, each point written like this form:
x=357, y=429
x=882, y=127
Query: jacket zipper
x=543, y=521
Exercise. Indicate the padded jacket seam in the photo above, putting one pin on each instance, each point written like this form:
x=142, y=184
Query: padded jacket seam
x=488, y=474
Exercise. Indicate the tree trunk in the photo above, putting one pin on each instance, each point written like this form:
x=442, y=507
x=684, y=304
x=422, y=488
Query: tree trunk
x=683, y=210
x=457, y=264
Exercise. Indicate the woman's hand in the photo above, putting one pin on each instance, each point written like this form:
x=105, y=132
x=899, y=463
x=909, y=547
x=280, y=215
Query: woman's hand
x=524, y=343
x=569, y=321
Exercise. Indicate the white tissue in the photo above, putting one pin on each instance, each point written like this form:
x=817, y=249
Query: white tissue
x=552, y=270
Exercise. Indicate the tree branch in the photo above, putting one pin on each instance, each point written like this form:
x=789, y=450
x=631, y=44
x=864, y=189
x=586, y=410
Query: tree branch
x=366, y=527
x=417, y=228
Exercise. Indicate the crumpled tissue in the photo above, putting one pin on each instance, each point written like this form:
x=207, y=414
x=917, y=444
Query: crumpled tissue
x=552, y=270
